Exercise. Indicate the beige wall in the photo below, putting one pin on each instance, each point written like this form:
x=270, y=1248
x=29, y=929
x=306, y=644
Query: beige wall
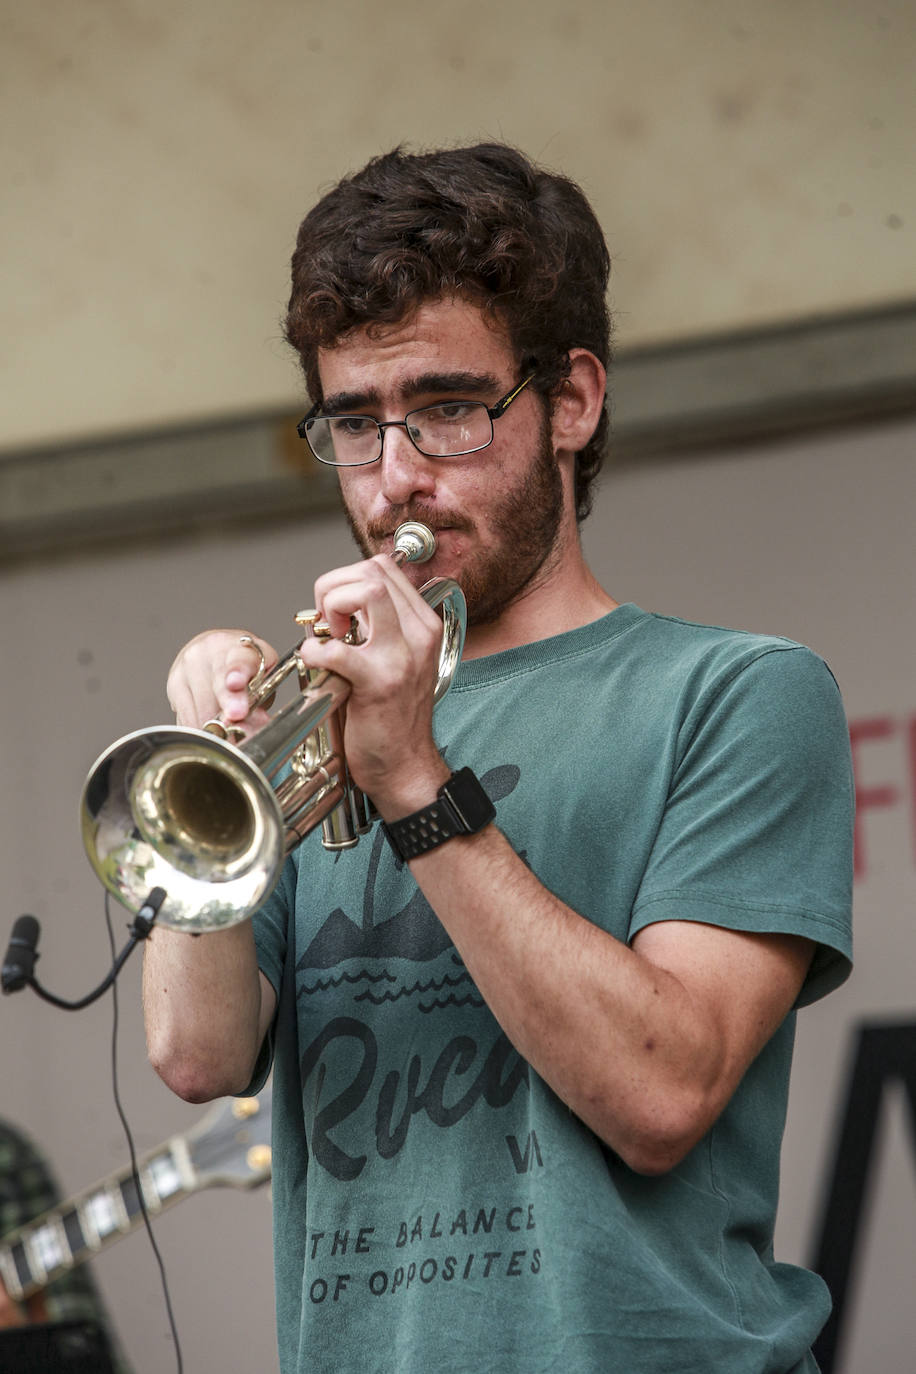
x=752, y=161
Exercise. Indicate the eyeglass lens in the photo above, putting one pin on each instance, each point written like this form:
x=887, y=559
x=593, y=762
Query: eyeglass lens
x=440, y=431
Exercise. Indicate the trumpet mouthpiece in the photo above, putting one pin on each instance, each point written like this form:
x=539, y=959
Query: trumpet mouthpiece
x=414, y=542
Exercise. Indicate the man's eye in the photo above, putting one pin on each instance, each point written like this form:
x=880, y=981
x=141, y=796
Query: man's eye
x=451, y=412
x=351, y=426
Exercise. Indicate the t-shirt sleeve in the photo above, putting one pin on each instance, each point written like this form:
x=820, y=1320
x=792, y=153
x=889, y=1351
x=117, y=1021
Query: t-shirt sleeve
x=757, y=832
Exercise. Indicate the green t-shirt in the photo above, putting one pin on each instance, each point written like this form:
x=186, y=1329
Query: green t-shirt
x=436, y=1206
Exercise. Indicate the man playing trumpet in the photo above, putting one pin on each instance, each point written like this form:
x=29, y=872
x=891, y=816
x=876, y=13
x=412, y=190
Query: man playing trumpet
x=530, y=1039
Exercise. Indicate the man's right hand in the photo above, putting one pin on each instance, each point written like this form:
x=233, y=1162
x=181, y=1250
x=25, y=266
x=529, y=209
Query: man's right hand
x=210, y=678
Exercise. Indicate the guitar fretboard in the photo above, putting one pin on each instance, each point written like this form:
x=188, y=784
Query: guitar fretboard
x=59, y=1239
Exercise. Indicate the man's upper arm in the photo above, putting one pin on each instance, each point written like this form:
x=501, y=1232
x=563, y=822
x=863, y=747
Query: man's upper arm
x=743, y=984
x=757, y=831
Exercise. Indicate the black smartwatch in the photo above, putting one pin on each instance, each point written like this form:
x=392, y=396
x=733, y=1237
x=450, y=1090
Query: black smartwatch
x=461, y=807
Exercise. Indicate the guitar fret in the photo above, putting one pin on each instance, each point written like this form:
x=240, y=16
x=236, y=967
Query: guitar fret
x=167, y=1176
x=130, y=1196
x=9, y=1273
x=21, y=1262
x=103, y=1214
x=48, y=1245
x=73, y=1230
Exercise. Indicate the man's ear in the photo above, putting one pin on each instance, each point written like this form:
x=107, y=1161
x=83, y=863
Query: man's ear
x=577, y=406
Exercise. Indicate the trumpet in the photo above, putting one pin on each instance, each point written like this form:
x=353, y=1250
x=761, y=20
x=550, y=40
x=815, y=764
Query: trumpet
x=210, y=816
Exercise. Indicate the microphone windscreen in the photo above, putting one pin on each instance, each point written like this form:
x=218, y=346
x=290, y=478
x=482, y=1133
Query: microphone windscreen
x=21, y=954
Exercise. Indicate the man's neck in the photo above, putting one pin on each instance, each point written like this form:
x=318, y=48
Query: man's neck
x=566, y=599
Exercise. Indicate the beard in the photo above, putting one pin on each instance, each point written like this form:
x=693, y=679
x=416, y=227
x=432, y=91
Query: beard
x=523, y=525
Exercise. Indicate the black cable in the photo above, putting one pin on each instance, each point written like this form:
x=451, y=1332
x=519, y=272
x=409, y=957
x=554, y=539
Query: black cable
x=131, y=1149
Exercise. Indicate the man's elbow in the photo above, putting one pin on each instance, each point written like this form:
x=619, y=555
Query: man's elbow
x=658, y=1140
x=653, y=1158
x=197, y=1076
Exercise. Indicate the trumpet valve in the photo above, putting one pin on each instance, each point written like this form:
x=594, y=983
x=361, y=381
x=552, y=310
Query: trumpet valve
x=315, y=628
x=312, y=624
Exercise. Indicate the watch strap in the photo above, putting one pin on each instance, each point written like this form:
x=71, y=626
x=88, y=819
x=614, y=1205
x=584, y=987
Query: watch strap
x=462, y=807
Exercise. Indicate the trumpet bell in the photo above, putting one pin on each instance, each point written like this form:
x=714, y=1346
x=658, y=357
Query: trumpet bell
x=186, y=811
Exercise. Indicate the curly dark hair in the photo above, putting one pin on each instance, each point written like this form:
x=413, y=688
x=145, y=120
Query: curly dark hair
x=483, y=222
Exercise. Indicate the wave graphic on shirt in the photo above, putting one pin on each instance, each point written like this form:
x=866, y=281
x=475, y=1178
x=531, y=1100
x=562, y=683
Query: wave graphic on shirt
x=414, y=933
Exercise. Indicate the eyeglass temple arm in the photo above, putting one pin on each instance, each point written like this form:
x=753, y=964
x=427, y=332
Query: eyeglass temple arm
x=494, y=412
x=300, y=428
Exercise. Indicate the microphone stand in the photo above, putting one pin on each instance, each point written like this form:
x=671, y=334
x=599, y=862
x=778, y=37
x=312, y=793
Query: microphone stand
x=15, y=976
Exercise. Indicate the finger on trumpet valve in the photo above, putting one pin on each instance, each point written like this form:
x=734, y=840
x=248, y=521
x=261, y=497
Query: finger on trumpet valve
x=315, y=628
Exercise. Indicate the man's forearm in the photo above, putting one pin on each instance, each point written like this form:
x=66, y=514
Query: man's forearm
x=206, y=1007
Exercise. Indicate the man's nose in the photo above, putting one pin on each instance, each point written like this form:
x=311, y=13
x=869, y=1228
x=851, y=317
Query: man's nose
x=405, y=471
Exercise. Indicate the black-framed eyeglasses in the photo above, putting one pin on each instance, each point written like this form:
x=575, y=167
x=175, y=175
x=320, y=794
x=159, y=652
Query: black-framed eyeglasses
x=447, y=429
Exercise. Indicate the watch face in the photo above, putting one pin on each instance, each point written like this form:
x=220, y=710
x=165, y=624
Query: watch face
x=470, y=801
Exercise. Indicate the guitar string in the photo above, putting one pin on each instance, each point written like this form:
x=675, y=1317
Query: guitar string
x=132, y=1151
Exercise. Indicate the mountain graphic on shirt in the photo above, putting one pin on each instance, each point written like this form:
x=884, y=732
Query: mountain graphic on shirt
x=413, y=933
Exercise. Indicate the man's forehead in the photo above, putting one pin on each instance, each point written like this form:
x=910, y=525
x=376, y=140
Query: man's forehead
x=444, y=340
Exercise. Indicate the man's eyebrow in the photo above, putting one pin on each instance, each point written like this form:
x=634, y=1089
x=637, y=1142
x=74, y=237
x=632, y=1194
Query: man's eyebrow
x=350, y=402
x=465, y=383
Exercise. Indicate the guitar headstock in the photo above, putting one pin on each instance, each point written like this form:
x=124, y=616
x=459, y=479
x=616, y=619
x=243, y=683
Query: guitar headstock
x=231, y=1145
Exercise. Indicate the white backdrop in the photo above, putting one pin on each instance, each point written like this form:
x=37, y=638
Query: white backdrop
x=809, y=538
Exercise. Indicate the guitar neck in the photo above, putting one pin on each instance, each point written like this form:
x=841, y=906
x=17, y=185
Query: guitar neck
x=212, y=1154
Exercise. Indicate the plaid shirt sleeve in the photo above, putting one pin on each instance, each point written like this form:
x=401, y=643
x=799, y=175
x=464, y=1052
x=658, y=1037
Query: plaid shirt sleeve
x=28, y=1188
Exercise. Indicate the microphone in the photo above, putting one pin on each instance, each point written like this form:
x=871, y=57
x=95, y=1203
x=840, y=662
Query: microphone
x=21, y=954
